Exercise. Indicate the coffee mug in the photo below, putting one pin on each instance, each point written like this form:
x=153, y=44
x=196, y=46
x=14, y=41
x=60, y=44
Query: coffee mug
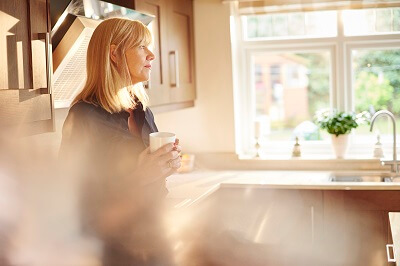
x=159, y=139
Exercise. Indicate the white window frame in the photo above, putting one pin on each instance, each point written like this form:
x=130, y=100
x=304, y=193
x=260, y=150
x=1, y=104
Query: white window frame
x=341, y=93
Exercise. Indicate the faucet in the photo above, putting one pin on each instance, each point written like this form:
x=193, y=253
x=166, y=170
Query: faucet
x=394, y=164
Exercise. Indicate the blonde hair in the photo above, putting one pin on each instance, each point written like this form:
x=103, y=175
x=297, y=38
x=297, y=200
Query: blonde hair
x=109, y=84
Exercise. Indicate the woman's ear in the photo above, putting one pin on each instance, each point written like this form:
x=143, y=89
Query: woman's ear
x=113, y=55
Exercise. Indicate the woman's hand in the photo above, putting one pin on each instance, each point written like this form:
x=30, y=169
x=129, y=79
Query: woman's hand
x=165, y=161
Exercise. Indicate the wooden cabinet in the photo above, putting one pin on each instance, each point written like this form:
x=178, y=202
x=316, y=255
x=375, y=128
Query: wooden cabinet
x=394, y=249
x=25, y=93
x=181, y=53
x=172, y=83
x=297, y=226
x=256, y=226
x=276, y=217
x=356, y=223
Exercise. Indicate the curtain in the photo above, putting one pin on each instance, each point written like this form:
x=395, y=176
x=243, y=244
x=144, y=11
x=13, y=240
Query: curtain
x=248, y=7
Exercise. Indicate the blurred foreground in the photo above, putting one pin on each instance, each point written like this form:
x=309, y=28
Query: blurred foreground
x=42, y=222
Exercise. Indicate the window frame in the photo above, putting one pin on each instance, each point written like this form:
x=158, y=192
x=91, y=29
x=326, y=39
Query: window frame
x=341, y=92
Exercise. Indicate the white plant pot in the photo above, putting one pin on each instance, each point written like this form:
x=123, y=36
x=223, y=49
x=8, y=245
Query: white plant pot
x=340, y=145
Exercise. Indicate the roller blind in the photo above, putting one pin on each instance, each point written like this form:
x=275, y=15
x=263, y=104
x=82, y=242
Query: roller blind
x=248, y=7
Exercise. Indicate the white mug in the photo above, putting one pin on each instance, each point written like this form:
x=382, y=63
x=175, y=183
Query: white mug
x=159, y=139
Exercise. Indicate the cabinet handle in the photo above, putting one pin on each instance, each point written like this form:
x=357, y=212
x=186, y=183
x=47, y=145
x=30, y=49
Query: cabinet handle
x=388, y=253
x=46, y=37
x=176, y=57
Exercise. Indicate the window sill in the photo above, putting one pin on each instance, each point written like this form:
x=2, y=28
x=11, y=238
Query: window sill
x=231, y=161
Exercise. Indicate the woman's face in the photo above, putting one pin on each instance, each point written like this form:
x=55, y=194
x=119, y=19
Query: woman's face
x=139, y=63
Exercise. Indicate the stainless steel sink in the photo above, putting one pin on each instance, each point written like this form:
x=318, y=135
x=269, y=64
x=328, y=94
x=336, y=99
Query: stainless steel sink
x=359, y=177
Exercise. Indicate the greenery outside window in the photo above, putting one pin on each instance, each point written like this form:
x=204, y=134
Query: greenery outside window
x=376, y=84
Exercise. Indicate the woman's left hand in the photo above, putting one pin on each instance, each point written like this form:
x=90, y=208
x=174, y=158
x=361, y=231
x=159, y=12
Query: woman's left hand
x=159, y=164
x=176, y=163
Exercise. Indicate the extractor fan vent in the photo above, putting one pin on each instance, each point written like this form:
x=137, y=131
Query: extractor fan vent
x=70, y=76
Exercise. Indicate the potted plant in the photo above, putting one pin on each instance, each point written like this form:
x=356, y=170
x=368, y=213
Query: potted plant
x=339, y=125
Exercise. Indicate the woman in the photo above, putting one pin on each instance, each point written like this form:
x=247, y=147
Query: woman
x=104, y=142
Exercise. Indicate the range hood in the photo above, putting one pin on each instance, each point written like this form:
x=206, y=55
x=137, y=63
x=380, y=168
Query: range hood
x=73, y=23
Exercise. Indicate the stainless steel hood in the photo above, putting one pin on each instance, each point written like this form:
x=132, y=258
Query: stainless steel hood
x=73, y=23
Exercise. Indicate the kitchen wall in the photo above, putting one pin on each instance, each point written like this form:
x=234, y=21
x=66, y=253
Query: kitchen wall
x=209, y=125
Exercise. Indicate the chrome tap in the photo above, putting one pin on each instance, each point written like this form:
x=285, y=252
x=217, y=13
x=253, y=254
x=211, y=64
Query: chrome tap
x=394, y=163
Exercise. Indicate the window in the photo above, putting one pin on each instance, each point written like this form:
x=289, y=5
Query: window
x=292, y=64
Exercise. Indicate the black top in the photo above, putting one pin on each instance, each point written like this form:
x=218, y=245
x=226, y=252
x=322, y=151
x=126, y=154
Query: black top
x=99, y=142
x=88, y=114
x=98, y=148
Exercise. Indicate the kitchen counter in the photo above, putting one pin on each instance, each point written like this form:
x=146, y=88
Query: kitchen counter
x=301, y=213
x=192, y=187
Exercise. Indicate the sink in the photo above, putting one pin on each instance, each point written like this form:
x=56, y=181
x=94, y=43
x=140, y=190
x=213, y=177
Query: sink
x=360, y=177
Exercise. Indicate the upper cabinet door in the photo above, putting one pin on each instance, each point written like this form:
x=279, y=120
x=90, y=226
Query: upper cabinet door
x=39, y=43
x=181, y=52
x=25, y=95
x=172, y=83
x=158, y=86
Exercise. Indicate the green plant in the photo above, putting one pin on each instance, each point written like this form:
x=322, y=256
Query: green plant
x=339, y=123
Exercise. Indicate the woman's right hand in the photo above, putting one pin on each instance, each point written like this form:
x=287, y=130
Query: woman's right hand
x=160, y=164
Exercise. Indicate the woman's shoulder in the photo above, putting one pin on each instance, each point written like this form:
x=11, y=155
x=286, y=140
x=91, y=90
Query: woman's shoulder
x=80, y=114
x=86, y=110
x=82, y=108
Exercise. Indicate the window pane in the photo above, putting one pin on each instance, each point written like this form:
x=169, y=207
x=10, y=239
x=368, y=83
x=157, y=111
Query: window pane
x=290, y=25
x=289, y=88
x=371, y=21
x=376, y=84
